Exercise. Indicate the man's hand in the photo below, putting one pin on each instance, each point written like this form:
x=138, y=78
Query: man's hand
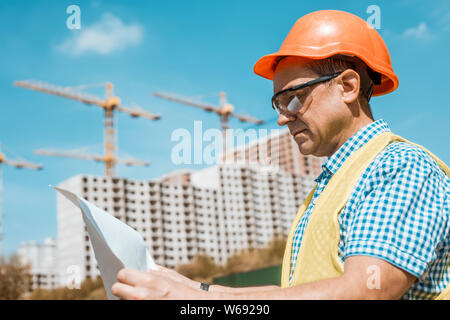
x=155, y=284
x=364, y=278
x=172, y=274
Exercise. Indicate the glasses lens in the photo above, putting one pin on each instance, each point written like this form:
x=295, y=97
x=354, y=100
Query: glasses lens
x=294, y=105
x=288, y=103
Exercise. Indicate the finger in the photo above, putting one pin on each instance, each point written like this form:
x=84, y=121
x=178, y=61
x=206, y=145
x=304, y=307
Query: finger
x=160, y=269
x=167, y=275
x=132, y=277
x=164, y=269
x=169, y=272
x=165, y=272
x=126, y=292
x=122, y=291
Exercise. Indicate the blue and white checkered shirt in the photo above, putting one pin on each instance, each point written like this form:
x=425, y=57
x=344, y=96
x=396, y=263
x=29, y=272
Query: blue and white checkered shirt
x=398, y=212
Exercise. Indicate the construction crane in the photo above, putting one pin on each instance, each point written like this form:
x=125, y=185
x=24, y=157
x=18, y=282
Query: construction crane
x=19, y=165
x=109, y=105
x=224, y=110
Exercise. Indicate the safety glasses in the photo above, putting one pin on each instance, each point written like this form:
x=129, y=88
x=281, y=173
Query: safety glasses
x=291, y=100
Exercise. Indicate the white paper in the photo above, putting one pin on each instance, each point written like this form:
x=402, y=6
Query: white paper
x=116, y=245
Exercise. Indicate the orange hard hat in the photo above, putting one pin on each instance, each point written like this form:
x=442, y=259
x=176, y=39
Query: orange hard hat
x=325, y=33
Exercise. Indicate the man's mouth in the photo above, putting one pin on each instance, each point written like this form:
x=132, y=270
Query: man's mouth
x=298, y=131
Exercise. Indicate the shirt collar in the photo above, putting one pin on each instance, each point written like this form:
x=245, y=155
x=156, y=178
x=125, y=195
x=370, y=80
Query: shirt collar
x=355, y=142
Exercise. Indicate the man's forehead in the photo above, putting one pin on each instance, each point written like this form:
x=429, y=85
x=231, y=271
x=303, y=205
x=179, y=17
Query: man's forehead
x=291, y=71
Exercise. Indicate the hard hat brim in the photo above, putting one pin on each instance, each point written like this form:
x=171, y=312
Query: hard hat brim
x=264, y=67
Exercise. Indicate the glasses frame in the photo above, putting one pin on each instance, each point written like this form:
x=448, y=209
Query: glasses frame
x=302, y=86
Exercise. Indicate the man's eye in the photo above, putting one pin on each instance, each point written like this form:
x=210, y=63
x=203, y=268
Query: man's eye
x=301, y=93
x=294, y=105
x=288, y=97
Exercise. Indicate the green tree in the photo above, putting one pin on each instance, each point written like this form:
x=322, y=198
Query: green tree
x=203, y=268
x=256, y=258
x=90, y=289
x=15, y=278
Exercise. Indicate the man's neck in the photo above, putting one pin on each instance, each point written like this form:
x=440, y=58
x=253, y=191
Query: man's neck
x=348, y=132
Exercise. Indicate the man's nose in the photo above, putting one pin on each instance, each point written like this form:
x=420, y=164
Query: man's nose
x=284, y=119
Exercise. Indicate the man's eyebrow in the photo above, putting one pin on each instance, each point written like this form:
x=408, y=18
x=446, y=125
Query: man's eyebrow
x=287, y=89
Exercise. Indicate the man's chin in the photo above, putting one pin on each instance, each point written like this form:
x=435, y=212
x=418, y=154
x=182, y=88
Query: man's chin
x=305, y=145
x=305, y=148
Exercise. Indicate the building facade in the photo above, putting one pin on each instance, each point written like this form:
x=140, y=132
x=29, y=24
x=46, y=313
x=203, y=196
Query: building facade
x=42, y=261
x=277, y=149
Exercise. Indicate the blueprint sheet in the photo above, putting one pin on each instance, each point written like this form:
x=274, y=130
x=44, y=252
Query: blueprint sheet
x=116, y=245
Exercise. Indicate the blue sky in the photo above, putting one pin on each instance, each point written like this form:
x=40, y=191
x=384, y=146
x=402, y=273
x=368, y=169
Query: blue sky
x=192, y=48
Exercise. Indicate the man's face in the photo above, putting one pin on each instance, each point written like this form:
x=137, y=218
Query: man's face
x=316, y=127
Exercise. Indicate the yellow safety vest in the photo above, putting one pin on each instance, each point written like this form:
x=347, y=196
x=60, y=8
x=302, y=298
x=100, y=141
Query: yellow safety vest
x=318, y=255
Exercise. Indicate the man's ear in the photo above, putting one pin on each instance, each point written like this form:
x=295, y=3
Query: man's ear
x=349, y=82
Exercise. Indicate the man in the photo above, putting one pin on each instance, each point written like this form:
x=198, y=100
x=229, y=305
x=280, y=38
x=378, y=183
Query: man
x=376, y=226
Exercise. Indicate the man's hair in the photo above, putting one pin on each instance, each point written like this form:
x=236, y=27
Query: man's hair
x=337, y=63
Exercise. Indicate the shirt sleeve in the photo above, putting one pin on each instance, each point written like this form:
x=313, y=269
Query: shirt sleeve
x=403, y=215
